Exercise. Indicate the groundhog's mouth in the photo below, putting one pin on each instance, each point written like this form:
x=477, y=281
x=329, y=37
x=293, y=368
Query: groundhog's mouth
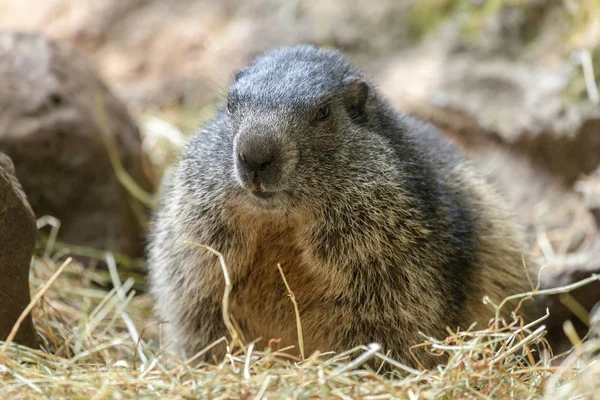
x=263, y=195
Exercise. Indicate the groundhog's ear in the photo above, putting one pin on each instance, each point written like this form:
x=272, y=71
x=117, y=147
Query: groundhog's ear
x=357, y=92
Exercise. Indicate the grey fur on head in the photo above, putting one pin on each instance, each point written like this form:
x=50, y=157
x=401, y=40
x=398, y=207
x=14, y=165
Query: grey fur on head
x=381, y=227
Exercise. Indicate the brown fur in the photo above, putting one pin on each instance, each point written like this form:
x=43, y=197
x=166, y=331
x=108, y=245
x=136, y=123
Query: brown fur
x=382, y=229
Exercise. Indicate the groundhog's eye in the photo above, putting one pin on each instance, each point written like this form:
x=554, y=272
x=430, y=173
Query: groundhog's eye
x=229, y=106
x=323, y=113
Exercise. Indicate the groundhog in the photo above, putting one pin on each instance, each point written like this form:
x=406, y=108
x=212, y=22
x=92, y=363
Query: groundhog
x=382, y=229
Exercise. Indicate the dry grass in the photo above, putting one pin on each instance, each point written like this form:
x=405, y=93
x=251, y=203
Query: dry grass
x=105, y=344
x=99, y=343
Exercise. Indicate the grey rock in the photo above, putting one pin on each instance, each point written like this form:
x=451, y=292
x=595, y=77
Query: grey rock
x=17, y=242
x=586, y=296
x=50, y=127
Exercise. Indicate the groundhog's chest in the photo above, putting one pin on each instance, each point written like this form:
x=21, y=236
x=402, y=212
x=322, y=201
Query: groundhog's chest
x=259, y=300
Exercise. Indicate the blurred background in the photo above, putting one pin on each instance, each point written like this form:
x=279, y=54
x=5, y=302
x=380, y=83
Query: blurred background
x=513, y=83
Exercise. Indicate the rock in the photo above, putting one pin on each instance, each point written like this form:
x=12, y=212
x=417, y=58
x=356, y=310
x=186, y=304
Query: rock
x=189, y=50
x=51, y=128
x=542, y=200
x=510, y=114
x=515, y=102
x=17, y=241
x=587, y=297
x=595, y=320
x=589, y=187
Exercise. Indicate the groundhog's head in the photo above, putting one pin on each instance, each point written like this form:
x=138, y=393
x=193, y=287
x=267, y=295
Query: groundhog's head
x=294, y=113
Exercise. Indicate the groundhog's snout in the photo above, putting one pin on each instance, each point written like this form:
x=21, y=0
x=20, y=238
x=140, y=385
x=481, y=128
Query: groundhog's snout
x=258, y=163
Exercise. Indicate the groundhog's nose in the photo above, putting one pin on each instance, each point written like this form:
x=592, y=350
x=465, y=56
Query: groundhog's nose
x=257, y=163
